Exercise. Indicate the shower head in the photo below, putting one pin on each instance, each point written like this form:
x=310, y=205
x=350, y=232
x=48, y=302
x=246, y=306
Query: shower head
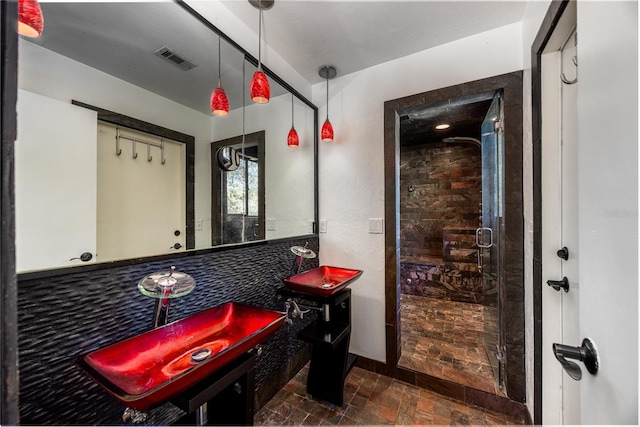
x=463, y=139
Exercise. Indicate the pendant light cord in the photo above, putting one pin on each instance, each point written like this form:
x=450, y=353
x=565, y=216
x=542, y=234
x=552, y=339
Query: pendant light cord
x=292, y=110
x=327, y=93
x=219, y=73
x=260, y=38
x=244, y=193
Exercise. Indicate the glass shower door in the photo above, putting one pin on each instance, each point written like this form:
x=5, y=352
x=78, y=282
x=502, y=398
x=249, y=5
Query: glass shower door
x=488, y=236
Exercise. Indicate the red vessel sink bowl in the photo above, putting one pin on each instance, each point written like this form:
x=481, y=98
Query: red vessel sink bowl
x=151, y=368
x=322, y=281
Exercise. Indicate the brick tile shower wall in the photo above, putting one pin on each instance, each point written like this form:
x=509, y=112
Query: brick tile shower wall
x=438, y=219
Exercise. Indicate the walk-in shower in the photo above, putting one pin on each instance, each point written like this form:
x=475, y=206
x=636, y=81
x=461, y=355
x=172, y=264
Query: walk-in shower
x=450, y=203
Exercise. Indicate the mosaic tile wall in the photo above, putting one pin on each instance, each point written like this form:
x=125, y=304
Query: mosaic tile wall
x=63, y=317
x=440, y=199
x=440, y=186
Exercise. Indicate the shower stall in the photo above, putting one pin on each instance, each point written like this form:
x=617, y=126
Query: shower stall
x=451, y=203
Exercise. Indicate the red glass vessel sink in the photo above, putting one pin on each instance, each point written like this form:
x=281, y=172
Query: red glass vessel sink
x=322, y=281
x=151, y=368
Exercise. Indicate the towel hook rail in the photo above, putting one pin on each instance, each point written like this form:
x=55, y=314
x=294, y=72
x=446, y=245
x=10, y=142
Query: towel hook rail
x=134, y=141
x=118, y=149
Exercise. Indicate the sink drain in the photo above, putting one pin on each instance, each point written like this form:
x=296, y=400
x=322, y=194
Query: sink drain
x=200, y=355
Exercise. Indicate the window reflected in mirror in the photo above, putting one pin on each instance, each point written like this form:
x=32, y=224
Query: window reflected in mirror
x=237, y=182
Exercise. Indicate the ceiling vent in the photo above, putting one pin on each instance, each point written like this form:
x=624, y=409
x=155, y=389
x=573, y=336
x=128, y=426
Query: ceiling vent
x=175, y=58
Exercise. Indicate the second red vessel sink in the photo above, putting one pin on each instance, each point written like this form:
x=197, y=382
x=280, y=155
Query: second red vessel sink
x=323, y=281
x=151, y=368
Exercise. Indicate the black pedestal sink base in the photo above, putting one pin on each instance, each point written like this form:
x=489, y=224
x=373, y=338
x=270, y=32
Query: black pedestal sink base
x=327, y=371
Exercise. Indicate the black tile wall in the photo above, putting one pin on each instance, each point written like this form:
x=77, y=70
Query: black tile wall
x=63, y=317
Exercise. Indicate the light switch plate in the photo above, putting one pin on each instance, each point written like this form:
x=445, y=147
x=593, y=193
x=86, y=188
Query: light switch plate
x=271, y=224
x=323, y=226
x=376, y=225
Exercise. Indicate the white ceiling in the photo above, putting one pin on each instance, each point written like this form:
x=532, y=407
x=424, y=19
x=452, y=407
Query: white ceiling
x=119, y=38
x=354, y=35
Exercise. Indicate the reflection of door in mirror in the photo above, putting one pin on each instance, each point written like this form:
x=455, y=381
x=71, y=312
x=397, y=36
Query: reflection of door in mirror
x=55, y=183
x=237, y=202
x=141, y=194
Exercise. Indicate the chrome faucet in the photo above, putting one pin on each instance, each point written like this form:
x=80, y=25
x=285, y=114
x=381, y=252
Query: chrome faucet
x=296, y=312
x=301, y=253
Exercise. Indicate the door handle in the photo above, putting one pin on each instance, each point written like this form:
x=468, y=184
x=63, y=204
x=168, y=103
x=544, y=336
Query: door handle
x=480, y=230
x=586, y=353
x=559, y=284
x=85, y=257
x=563, y=253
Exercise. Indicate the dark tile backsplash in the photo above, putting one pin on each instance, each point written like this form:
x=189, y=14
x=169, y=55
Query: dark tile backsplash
x=63, y=317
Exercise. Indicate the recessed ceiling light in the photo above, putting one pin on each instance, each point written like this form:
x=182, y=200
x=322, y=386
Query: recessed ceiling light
x=443, y=126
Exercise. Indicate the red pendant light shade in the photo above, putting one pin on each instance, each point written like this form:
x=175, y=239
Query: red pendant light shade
x=326, y=134
x=30, y=22
x=260, y=90
x=292, y=139
x=219, y=102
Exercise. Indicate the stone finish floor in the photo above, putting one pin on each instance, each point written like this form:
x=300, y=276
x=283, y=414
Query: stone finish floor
x=445, y=339
x=372, y=399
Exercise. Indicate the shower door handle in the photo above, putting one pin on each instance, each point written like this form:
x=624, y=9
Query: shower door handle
x=482, y=245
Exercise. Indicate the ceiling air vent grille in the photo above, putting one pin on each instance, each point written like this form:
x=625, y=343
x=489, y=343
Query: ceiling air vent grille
x=175, y=58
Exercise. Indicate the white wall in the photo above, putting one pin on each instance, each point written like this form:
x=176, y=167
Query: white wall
x=352, y=167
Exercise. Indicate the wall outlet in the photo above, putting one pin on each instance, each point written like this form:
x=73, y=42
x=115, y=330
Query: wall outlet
x=323, y=226
x=376, y=225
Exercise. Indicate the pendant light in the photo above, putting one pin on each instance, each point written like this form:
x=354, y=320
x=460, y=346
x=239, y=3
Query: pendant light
x=292, y=139
x=259, y=90
x=219, y=100
x=326, y=134
x=30, y=20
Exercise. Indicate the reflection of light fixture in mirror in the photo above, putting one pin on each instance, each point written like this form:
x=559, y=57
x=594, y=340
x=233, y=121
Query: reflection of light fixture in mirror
x=219, y=100
x=443, y=126
x=328, y=72
x=260, y=91
x=30, y=22
x=292, y=139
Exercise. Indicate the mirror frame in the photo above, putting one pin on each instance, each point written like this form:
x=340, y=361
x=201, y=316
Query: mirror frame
x=117, y=118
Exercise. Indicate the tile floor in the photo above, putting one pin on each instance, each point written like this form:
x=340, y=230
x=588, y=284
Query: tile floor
x=372, y=399
x=446, y=339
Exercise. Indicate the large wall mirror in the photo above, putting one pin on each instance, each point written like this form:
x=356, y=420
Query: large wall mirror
x=118, y=155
